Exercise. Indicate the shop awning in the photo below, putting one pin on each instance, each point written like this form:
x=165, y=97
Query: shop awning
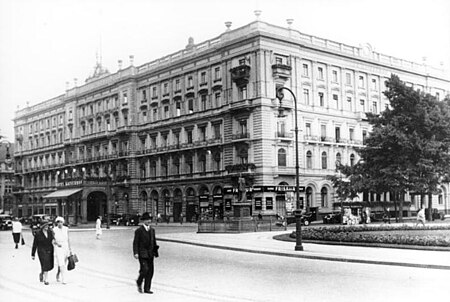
x=63, y=193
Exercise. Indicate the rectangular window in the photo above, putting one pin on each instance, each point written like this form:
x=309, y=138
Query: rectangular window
x=308, y=129
x=320, y=73
x=438, y=96
x=189, y=136
x=361, y=81
x=351, y=133
x=166, y=88
x=269, y=203
x=166, y=111
x=374, y=84
x=242, y=62
x=306, y=96
x=336, y=100
x=217, y=75
x=278, y=60
x=348, y=79
x=374, y=107
x=154, y=92
x=155, y=114
x=202, y=77
x=203, y=99
x=335, y=76
x=337, y=133
x=323, y=132
x=202, y=133
x=218, y=99
x=243, y=93
x=191, y=106
x=125, y=97
x=190, y=82
x=178, y=108
x=321, y=99
x=362, y=104
x=144, y=95
x=177, y=85
x=305, y=70
x=364, y=136
x=217, y=134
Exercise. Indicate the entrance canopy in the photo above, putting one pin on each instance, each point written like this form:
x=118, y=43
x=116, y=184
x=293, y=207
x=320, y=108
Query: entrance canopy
x=63, y=193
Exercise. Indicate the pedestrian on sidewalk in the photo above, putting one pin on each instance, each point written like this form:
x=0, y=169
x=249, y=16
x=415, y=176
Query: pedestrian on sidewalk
x=145, y=250
x=421, y=216
x=181, y=218
x=43, y=243
x=17, y=232
x=98, y=227
x=62, y=248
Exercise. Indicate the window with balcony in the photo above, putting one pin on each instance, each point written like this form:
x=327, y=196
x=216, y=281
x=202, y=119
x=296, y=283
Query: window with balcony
x=177, y=108
x=324, y=160
x=217, y=131
x=166, y=111
x=165, y=88
x=308, y=129
x=189, y=136
x=217, y=161
x=336, y=101
x=202, y=163
x=190, y=81
x=351, y=133
x=191, y=106
x=337, y=134
x=243, y=92
x=282, y=157
x=144, y=95
x=203, y=102
x=164, y=167
x=202, y=77
x=309, y=160
x=189, y=164
x=154, y=92
x=176, y=165
x=155, y=114
x=153, y=168
x=281, y=129
x=374, y=84
x=202, y=133
x=243, y=127
x=243, y=155
x=324, y=197
x=323, y=132
x=374, y=107
x=217, y=99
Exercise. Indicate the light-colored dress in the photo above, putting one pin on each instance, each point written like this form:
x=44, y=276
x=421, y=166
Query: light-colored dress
x=61, y=238
x=98, y=227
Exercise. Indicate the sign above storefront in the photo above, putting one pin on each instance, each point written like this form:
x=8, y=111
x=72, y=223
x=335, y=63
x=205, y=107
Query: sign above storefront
x=260, y=189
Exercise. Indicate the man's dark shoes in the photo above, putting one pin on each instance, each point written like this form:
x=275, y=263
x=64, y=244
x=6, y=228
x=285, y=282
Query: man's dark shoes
x=148, y=292
x=41, y=277
x=139, y=287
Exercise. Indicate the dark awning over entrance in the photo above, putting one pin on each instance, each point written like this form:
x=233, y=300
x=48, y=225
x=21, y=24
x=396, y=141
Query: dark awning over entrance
x=63, y=193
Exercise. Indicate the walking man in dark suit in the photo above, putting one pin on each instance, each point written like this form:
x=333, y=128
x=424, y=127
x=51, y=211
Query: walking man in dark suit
x=145, y=250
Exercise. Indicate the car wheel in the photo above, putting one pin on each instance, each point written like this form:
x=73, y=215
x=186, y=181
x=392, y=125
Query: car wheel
x=306, y=222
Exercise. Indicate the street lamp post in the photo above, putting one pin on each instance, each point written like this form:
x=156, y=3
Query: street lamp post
x=298, y=211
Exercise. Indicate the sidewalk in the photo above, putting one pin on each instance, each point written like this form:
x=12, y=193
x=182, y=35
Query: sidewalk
x=263, y=243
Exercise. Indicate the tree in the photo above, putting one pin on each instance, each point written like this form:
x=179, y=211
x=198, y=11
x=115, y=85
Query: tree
x=408, y=147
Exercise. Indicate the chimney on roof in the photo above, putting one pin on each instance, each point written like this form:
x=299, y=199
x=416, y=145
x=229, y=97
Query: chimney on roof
x=289, y=22
x=131, y=60
x=257, y=14
x=120, y=64
x=228, y=25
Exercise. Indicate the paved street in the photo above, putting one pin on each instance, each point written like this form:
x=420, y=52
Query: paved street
x=186, y=272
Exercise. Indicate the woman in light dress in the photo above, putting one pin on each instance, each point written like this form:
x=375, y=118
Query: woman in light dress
x=62, y=248
x=98, y=227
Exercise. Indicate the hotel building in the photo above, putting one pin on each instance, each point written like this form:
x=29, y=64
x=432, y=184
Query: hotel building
x=180, y=134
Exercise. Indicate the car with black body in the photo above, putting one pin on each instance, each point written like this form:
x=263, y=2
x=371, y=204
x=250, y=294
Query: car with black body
x=5, y=222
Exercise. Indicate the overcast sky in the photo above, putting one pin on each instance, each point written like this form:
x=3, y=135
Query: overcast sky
x=46, y=43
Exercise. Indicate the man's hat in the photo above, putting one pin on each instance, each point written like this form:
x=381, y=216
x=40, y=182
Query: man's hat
x=44, y=223
x=146, y=216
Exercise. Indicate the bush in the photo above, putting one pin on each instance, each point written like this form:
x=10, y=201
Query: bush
x=363, y=235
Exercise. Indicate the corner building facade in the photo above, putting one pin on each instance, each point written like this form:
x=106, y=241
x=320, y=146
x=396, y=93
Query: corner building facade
x=182, y=133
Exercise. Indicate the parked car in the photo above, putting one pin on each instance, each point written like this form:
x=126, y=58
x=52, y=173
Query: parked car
x=306, y=219
x=332, y=218
x=130, y=219
x=5, y=222
x=36, y=221
x=113, y=219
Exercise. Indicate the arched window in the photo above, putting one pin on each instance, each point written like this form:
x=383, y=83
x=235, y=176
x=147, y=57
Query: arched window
x=202, y=163
x=324, y=160
x=309, y=160
x=324, y=197
x=282, y=157
x=352, y=160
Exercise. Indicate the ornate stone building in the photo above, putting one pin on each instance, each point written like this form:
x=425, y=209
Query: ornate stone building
x=182, y=133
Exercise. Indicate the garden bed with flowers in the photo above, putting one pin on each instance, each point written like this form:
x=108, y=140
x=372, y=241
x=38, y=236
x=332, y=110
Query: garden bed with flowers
x=407, y=236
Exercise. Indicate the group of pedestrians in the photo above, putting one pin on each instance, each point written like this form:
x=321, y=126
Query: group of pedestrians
x=52, y=245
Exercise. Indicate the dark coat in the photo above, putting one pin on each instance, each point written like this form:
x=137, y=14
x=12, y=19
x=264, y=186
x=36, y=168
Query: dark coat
x=144, y=243
x=44, y=247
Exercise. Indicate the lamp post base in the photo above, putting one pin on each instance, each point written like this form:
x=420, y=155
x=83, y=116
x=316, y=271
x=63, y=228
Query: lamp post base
x=299, y=247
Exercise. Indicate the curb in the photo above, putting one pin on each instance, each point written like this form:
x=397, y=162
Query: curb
x=311, y=257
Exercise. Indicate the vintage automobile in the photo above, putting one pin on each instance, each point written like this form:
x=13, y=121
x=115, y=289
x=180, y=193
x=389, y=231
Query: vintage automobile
x=5, y=222
x=306, y=219
x=113, y=219
x=332, y=218
x=129, y=219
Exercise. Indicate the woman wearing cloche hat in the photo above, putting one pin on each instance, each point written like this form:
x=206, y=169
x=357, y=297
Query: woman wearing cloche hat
x=43, y=243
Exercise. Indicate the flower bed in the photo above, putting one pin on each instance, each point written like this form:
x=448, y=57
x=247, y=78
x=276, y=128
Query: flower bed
x=396, y=234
